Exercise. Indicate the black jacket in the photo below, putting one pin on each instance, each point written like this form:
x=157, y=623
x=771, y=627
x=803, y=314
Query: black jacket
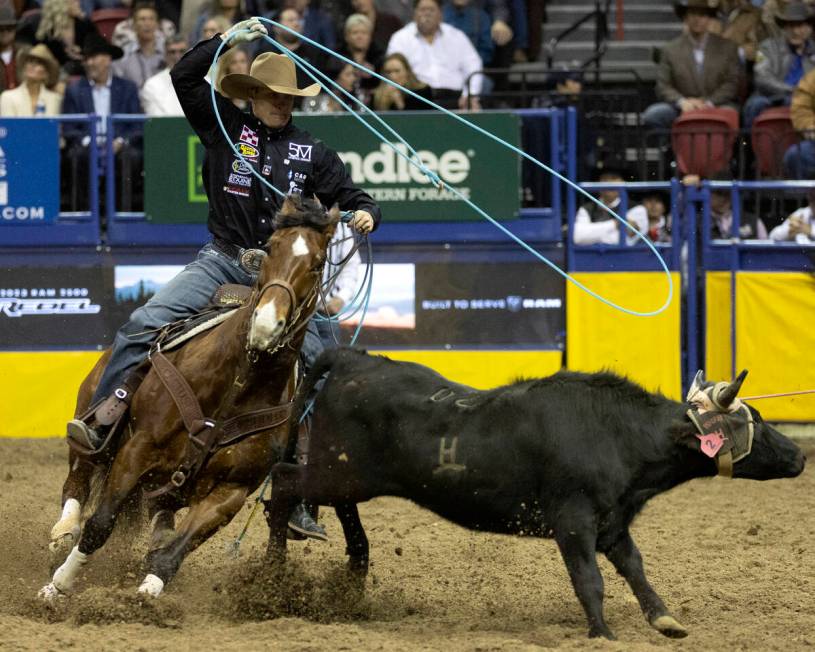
x=240, y=206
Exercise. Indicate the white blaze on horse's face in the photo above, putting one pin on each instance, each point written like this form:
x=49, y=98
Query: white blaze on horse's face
x=269, y=319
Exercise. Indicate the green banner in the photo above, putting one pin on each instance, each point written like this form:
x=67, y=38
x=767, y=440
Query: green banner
x=482, y=170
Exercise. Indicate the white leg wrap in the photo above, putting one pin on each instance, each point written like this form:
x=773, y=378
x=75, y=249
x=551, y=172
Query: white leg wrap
x=152, y=585
x=69, y=521
x=65, y=575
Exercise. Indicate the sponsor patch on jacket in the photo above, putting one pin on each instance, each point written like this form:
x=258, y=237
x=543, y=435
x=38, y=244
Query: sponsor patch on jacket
x=247, y=151
x=240, y=167
x=240, y=180
x=299, y=152
x=267, y=170
x=249, y=136
x=237, y=190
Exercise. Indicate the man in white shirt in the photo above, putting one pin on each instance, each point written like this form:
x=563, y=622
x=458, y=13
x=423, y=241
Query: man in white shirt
x=440, y=55
x=797, y=227
x=158, y=95
x=344, y=280
x=595, y=225
x=146, y=60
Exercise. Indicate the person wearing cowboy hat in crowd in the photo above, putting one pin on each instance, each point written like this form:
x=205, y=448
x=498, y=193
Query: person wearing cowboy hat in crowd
x=33, y=97
x=696, y=70
x=102, y=93
x=8, y=47
x=241, y=209
x=783, y=61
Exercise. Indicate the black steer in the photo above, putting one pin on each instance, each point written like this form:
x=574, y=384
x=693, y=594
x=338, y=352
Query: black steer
x=573, y=457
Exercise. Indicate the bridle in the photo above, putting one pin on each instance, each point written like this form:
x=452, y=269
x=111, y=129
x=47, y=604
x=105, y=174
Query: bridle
x=295, y=322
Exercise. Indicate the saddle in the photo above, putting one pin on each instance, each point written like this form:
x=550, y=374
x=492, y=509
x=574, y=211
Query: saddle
x=205, y=435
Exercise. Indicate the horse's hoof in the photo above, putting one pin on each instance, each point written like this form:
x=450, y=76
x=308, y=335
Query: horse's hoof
x=152, y=585
x=50, y=593
x=668, y=626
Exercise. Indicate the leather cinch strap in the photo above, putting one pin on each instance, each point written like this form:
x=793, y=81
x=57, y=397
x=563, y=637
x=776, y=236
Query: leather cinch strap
x=181, y=392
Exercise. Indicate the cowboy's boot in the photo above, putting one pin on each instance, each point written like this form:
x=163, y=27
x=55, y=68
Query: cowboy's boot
x=91, y=429
x=302, y=523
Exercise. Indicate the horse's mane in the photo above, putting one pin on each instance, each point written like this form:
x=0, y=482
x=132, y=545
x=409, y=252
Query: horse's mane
x=303, y=211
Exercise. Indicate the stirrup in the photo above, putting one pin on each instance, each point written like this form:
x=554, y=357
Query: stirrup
x=83, y=434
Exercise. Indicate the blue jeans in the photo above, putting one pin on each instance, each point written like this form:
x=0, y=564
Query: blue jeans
x=660, y=116
x=799, y=160
x=757, y=103
x=186, y=294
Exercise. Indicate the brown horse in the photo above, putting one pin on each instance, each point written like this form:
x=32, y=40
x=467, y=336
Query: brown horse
x=241, y=367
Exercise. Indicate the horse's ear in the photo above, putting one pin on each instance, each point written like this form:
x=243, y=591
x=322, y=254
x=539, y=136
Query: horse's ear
x=334, y=219
x=292, y=205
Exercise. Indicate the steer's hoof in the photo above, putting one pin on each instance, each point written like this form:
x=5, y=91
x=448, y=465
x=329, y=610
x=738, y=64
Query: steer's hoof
x=50, y=593
x=669, y=626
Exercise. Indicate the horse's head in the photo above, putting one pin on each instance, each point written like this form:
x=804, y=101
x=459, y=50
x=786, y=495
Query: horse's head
x=291, y=273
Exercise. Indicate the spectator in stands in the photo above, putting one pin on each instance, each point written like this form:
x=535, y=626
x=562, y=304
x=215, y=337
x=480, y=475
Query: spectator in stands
x=158, y=95
x=384, y=24
x=474, y=22
x=317, y=24
x=654, y=207
x=696, y=70
x=402, y=9
x=233, y=11
x=744, y=26
x=358, y=47
x=594, y=225
x=63, y=28
x=441, y=56
x=799, y=160
x=213, y=26
x=147, y=59
x=292, y=19
x=563, y=87
x=348, y=78
x=234, y=61
x=8, y=48
x=389, y=98
x=782, y=62
x=124, y=35
x=798, y=226
x=101, y=92
x=33, y=97
x=721, y=217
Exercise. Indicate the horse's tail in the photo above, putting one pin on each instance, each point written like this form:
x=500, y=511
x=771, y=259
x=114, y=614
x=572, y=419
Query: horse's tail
x=321, y=366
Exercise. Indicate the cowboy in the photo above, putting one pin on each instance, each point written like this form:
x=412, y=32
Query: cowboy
x=782, y=62
x=697, y=69
x=240, y=207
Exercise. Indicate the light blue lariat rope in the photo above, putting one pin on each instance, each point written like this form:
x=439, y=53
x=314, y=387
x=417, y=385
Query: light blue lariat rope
x=415, y=160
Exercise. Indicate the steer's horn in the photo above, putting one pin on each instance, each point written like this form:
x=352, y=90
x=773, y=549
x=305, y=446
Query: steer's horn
x=727, y=394
x=697, y=384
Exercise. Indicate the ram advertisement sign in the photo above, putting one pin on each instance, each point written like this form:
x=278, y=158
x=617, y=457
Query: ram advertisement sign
x=476, y=166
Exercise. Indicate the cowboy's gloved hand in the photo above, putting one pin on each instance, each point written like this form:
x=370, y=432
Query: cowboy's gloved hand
x=257, y=30
x=363, y=222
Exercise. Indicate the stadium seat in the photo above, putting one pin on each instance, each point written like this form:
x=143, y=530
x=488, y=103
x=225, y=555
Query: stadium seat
x=771, y=136
x=107, y=19
x=703, y=140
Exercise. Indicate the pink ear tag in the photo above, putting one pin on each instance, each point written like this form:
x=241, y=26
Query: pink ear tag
x=712, y=442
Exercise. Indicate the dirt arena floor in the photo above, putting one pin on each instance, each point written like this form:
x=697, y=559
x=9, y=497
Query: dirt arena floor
x=734, y=561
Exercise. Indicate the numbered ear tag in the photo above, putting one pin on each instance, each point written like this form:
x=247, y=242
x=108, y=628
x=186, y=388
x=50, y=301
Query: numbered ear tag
x=712, y=443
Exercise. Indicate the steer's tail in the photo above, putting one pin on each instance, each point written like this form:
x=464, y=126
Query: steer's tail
x=306, y=397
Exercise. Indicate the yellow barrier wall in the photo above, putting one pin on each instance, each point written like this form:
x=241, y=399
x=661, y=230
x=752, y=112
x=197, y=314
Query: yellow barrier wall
x=646, y=349
x=775, y=339
x=38, y=389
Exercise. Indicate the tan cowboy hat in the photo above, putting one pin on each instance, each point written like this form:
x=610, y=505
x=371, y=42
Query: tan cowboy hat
x=273, y=71
x=40, y=52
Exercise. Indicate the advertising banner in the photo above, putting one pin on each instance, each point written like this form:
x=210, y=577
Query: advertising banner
x=464, y=304
x=56, y=307
x=478, y=167
x=29, y=171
